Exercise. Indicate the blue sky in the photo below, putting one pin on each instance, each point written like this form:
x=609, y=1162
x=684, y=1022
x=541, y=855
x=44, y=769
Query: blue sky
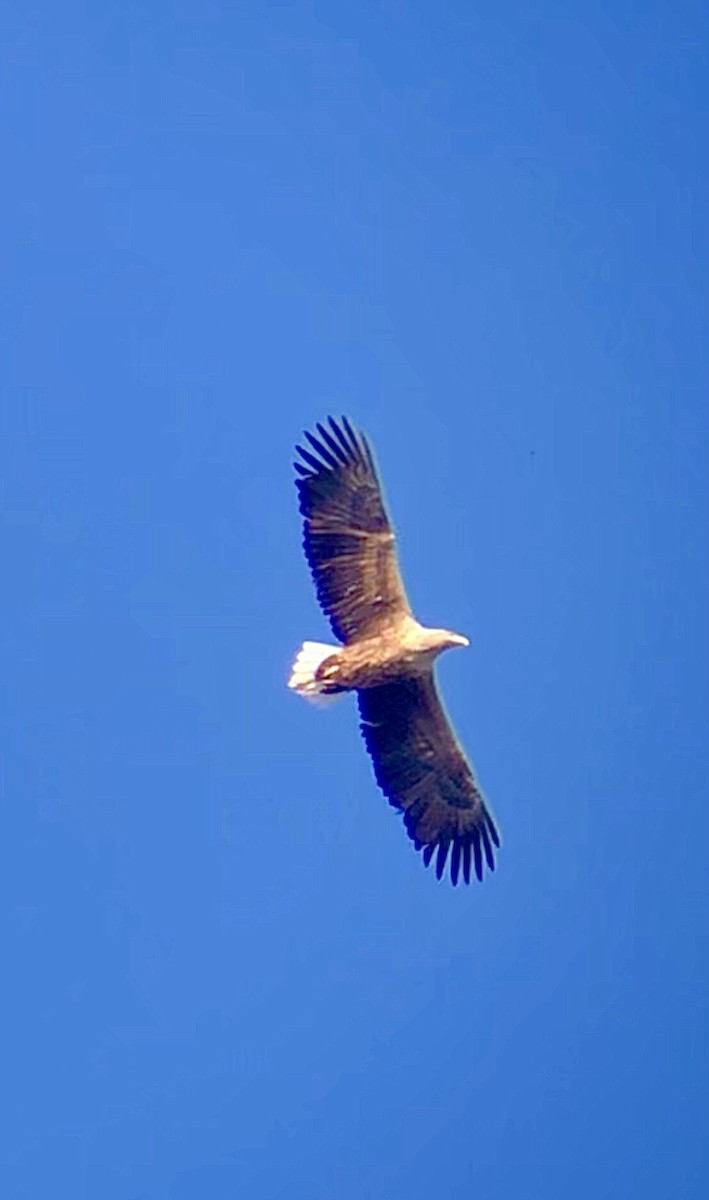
x=479, y=230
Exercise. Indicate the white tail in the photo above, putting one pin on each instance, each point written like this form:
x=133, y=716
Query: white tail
x=302, y=677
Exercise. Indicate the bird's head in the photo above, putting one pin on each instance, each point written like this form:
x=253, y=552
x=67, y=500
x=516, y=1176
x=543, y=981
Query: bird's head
x=444, y=639
x=455, y=639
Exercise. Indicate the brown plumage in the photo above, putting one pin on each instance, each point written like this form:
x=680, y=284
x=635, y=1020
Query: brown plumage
x=387, y=656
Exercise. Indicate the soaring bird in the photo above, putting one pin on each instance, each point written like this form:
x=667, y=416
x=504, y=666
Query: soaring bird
x=385, y=655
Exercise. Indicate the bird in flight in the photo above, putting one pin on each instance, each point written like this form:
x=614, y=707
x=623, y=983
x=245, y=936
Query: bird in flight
x=385, y=655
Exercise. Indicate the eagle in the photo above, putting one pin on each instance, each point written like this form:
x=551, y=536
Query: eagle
x=385, y=655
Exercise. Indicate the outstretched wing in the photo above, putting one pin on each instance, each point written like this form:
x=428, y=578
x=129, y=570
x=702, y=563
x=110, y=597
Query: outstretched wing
x=423, y=772
x=347, y=537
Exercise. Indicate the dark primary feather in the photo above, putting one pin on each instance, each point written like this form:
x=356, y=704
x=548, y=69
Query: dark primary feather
x=347, y=537
x=424, y=773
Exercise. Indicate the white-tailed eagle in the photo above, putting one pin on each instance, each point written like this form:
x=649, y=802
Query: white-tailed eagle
x=386, y=657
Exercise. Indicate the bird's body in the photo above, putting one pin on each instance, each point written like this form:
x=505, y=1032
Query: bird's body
x=386, y=657
x=407, y=649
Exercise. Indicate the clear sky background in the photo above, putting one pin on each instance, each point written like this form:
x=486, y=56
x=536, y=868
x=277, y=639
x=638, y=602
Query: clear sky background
x=480, y=230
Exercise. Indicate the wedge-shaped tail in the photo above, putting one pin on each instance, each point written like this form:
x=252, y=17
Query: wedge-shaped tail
x=303, y=672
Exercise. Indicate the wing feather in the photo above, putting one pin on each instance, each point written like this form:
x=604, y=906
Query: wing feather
x=424, y=774
x=332, y=443
x=354, y=440
x=340, y=436
x=466, y=861
x=347, y=536
x=322, y=449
